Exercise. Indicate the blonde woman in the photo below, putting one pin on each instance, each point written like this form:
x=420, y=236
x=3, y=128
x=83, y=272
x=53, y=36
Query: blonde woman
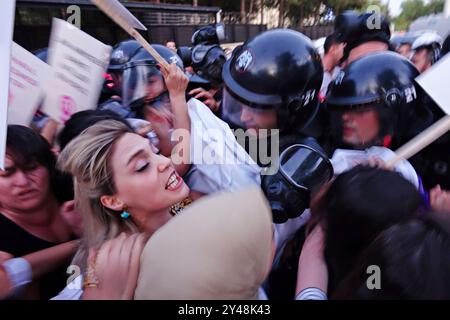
x=121, y=186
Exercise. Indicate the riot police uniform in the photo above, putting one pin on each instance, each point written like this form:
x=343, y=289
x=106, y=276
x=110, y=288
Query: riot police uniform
x=385, y=82
x=279, y=72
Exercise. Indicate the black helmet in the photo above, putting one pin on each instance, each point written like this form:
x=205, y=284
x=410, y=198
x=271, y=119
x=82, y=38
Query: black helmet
x=142, y=56
x=211, y=34
x=208, y=61
x=276, y=70
x=445, y=46
x=355, y=29
x=137, y=73
x=385, y=81
x=122, y=53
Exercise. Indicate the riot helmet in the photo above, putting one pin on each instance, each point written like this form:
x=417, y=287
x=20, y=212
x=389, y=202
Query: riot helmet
x=274, y=76
x=122, y=53
x=431, y=42
x=143, y=81
x=381, y=81
x=355, y=29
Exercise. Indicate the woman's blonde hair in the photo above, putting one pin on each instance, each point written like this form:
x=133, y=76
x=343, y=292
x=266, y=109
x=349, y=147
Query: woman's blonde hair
x=87, y=158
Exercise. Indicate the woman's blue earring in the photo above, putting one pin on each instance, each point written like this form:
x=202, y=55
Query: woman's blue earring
x=125, y=214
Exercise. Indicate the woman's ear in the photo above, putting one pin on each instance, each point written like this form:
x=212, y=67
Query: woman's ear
x=112, y=202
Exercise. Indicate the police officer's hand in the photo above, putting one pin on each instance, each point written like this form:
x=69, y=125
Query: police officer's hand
x=376, y=162
x=206, y=97
x=176, y=81
x=440, y=199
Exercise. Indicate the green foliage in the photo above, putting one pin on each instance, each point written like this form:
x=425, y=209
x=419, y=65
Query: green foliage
x=413, y=9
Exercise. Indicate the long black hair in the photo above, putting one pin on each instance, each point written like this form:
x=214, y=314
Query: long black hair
x=413, y=260
x=360, y=204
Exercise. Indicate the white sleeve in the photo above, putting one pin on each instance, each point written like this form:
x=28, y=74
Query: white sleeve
x=19, y=272
x=311, y=294
x=73, y=291
x=221, y=164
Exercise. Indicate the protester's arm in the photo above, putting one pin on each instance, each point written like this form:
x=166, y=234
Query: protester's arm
x=176, y=83
x=207, y=97
x=5, y=283
x=49, y=131
x=440, y=199
x=312, y=276
x=113, y=269
x=17, y=272
x=45, y=261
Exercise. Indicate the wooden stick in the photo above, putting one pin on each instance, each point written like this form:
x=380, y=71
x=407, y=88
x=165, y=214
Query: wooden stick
x=103, y=6
x=421, y=141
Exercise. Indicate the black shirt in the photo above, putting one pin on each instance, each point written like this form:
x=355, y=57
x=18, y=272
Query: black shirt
x=19, y=242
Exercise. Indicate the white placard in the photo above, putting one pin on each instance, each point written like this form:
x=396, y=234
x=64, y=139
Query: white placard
x=435, y=82
x=7, y=10
x=78, y=63
x=27, y=76
x=119, y=10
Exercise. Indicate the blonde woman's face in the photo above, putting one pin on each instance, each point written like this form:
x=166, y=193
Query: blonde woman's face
x=144, y=181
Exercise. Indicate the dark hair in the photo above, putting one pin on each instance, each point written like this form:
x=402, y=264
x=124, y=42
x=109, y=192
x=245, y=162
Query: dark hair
x=82, y=120
x=28, y=149
x=413, y=259
x=79, y=122
x=329, y=41
x=360, y=204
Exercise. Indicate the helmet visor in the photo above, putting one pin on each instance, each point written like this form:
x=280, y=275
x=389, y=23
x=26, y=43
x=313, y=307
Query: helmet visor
x=141, y=82
x=258, y=119
x=305, y=168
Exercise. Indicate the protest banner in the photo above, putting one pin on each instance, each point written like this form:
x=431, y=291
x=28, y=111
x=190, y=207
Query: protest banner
x=431, y=81
x=125, y=19
x=27, y=77
x=78, y=62
x=7, y=10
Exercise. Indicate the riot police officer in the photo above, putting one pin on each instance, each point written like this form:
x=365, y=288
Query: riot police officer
x=271, y=88
x=121, y=54
x=111, y=96
x=426, y=51
x=376, y=102
x=272, y=81
x=362, y=33
x=142, y=77
x=272, y=92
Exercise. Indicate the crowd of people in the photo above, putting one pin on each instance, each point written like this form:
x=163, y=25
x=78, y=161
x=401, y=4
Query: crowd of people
x=116, y=204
